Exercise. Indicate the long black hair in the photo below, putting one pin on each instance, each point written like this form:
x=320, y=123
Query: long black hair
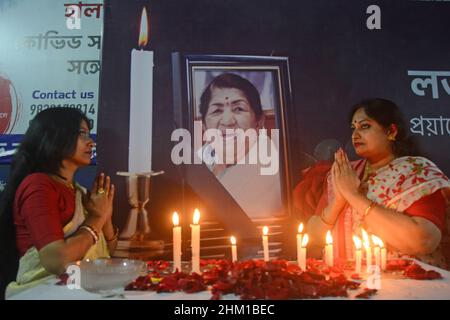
x=387, y=113
x=51, y=137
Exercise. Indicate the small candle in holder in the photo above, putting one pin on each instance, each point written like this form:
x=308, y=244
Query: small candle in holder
x=366, y=243
x=376, y=250
x=233, y=249
x=302, y=256
x=358, y=254
x=265, y=239
x=299, y=241
x=329, y=258
x=195, y=242
x=176, y=242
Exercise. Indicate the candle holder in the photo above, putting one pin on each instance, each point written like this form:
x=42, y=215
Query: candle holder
x=135, y=239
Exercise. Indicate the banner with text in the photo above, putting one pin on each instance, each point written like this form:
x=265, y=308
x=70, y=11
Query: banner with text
x=49, y=57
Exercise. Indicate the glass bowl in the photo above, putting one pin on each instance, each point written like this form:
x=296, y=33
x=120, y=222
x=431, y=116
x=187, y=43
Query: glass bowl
x=102, y=275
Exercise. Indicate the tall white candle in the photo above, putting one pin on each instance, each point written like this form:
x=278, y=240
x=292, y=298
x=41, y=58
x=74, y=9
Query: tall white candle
x=176, y=242
x=233, y=249
x=366, y=241
x=299, y=242
x=265, y=239
x=329, y=258
x=141, y=104
x=302, y=258
x=195, y=242
x=358, y=254
x=376, y=250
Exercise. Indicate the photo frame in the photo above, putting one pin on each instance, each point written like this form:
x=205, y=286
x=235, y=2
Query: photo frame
x=270, y=76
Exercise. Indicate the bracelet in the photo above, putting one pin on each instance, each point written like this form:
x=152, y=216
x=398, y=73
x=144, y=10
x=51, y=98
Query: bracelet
x=115, y=236
x=371, y=205
x=92, y=231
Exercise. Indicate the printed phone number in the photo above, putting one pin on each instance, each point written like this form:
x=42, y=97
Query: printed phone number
x=87, y=109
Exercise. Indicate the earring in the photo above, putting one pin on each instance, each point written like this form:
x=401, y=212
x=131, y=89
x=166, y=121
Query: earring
x=391, y=138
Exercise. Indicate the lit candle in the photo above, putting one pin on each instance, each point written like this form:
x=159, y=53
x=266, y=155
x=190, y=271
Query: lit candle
x=195, y=242
x=383, y=255
x=358, y=254
x=376, y=250
x=141, y=104
x=302, y=258
x=233, y=249
x=329, y=259
x=366, y=242
x=266, y=243
x=299, y=242
x=176, y=242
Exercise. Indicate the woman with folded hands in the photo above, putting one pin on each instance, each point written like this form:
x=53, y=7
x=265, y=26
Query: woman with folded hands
x=47, y=220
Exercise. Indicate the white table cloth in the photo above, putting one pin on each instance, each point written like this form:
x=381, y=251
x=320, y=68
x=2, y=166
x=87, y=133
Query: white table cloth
x=391, y=289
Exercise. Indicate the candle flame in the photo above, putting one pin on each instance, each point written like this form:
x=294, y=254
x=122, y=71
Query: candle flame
x=143, y=32
x=265, y=230
x=357, y=242
x=329, y=238
x=365, y=239
x=376, y=241
x=305, y=240
x=233, y=240
x=196, y=216
x=300, y=228
x=175, y=219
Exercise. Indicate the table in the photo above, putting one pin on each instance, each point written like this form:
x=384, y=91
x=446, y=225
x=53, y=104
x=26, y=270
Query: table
x=391, y=289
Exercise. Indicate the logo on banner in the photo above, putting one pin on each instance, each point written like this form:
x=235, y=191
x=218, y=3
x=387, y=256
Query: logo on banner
x=9, y=106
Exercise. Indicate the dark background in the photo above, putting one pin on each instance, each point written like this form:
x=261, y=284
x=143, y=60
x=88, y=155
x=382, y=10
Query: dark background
x=335, y=61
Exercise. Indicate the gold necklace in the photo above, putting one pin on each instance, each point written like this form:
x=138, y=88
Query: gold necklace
x=367, y=172
x=63, y=180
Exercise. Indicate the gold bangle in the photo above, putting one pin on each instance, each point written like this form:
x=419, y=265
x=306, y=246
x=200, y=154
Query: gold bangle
x=115, y=236
x=371, y=205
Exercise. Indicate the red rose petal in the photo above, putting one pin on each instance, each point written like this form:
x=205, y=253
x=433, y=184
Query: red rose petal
x=63, y=279
x=276, y=279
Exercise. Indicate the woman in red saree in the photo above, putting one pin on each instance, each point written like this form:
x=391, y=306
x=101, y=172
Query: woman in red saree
x=399, y=197
x=47, y=220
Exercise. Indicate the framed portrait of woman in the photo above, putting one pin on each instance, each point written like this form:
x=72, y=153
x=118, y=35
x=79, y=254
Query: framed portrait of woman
x=239, y=106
